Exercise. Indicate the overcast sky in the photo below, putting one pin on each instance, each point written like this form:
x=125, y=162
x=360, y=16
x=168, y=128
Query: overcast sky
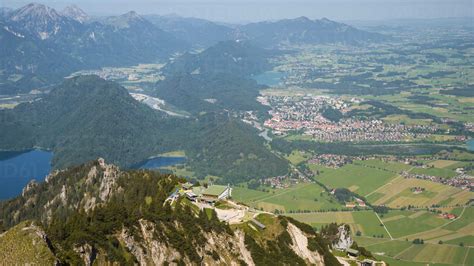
x=246, y=10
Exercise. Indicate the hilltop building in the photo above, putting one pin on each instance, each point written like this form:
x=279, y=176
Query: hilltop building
x=210, y=195
x=214, y=193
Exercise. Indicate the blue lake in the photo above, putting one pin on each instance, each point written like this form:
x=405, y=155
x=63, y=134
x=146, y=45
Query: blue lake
x=19, y=168
x=157, y=162
x=269, y=78
x=470, y=145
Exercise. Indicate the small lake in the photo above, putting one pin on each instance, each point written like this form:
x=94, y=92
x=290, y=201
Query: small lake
x=19, y=168
x=270, y=78
x=470, y=145
x=161, y=161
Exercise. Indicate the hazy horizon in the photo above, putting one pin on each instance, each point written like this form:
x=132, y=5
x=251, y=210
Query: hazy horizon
x=247, y=11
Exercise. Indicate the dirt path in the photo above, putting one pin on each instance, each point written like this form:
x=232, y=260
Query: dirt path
x=376, y=214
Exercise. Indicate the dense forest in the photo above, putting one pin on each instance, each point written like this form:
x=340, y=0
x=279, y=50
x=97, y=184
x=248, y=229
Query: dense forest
x=210, y=92
x=87, y=117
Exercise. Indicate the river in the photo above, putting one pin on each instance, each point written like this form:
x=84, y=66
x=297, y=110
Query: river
x=470, y=145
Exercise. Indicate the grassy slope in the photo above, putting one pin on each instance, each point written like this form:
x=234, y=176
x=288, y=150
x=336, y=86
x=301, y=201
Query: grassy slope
x=19, y=246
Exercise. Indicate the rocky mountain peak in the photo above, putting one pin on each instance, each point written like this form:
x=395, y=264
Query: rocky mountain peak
x=126, y=20
x=302, y=19
x=35, y=11
x=75, y=13
x=41, y=21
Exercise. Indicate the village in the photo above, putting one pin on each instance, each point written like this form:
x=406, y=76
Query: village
x=305, y=114
x=461, y=180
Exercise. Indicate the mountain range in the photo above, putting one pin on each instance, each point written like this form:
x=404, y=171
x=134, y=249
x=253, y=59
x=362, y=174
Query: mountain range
x=200, y=33
x=45, y=45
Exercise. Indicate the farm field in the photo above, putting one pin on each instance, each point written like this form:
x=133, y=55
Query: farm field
x=389, y=166
x=435, y=253
x=240, y=194
x=431, y=227
x=403, y=225
x=296, y=157
x=397, y=193
x=299, y=198
x=441, y=172
x=397, y=252
x=360, y=179
x=365, y=222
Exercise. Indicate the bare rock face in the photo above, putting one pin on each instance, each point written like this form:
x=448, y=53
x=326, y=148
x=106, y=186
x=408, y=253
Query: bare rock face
x=109, y=180
x=87, y=253
x=149, y=250
x=246, y=256
x=300, y=246
x=31, y=185
x=344, y=240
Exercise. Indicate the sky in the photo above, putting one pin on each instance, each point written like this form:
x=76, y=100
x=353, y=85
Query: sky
x=257, y=10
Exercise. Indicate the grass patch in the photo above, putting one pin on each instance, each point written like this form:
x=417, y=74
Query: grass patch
x=407, y=226
x=367, y=179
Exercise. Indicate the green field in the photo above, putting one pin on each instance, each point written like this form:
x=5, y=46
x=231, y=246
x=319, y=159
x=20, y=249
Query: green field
x=398, y=193
x=390, y=248
x=401, y=252
x=364, y=221
x=466, y=240
x=389, y=166
x=412, y=223
x=368, y=223
x=360, y=179
x=465, y=221
x=241, y=194
x=440, y=172
x=297, y=157
x=298, y=198
x=435, y=253
x=315, y=168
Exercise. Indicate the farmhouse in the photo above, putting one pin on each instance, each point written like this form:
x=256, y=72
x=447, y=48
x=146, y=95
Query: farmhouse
x=449, y=216
x=350, y=205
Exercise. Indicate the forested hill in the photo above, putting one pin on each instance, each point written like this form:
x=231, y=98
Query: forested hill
x=210, y=92
x=82, y=119
x=87, y=117
x=96, y=213
x=218, y=78
x=239, y=58
x=224, y=146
